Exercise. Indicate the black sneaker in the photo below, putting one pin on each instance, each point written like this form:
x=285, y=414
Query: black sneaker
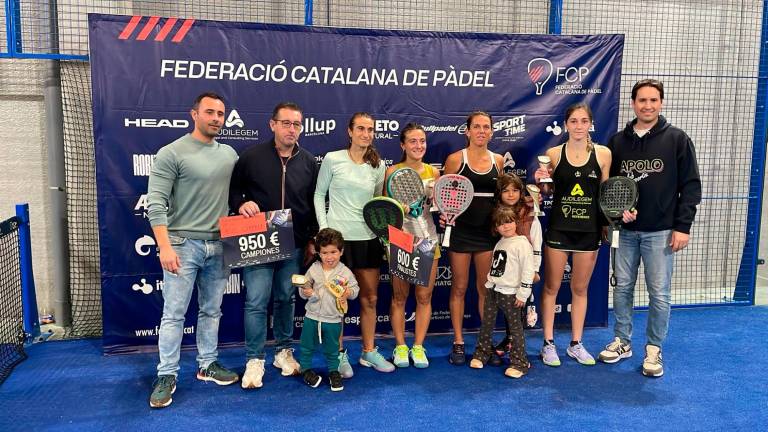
x=494, y=360
x=311, y=378
x=162, y=389
x=457, y=356
x=218, y=374
x=503, y=347
x=336, y=381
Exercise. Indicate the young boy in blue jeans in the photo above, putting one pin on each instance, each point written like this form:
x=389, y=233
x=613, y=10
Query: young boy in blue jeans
x=329, y=283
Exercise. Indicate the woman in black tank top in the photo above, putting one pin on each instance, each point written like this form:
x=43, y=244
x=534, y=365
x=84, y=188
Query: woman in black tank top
x=574, y=228
x=471, y=239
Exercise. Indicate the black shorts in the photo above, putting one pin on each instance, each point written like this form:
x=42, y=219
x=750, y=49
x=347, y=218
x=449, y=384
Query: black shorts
x=467, y=238
x=573, y=241
x=363, y=254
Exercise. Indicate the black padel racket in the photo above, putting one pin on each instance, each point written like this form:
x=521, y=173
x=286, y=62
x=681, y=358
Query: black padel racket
x=406, y=186
x=381, y=212
x=617, y=194
x=453, y=195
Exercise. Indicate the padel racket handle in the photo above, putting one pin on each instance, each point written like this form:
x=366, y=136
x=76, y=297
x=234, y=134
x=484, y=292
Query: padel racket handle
x=447, y=236
x=615, y=238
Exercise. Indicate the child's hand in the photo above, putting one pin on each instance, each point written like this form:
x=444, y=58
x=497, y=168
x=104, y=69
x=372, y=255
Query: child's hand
x=536, y=277
x=519, y=303
x=346, y=293
x=307, y=291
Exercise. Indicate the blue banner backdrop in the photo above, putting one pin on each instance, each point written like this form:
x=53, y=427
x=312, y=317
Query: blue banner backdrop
x=145, y=73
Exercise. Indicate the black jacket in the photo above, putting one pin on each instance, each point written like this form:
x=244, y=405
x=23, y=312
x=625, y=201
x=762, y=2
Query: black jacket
x=663, y=163
x=261, y=176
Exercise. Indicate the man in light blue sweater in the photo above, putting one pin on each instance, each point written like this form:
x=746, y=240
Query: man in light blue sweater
x=188, y=189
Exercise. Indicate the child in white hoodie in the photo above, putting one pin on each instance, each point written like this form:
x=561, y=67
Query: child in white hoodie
x=329, y=283
x=509, y=285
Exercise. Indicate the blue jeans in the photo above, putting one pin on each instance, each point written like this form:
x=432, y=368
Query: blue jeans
x=202, y=266
x=261, y=282
x=658, y=260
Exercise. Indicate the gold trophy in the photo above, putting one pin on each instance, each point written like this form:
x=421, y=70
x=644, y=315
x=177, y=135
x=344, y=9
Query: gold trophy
x=534, y=191
x=545, y=184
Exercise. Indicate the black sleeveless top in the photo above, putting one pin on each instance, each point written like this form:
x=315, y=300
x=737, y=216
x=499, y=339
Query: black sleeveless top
x=472, y=232
x=575, y=205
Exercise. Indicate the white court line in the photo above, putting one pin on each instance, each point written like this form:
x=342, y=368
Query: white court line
x=762, y=277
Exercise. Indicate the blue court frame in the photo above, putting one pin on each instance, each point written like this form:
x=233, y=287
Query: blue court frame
x=744, y=293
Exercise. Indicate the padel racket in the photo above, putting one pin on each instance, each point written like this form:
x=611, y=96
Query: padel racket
x=617, y=194
x=380, y=212
x=453, y=195
x=406, y=186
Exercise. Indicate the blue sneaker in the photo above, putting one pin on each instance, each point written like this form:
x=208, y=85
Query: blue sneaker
x=400, y=356
x=581, y=354
x=377, y=361
x=549, y=355
x=345, y=369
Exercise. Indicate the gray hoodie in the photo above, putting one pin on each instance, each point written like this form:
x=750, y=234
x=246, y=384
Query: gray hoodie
x=321, y=305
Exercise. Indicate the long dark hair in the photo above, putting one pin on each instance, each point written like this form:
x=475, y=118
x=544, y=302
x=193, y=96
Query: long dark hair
x=409, y=128
x=371, y=156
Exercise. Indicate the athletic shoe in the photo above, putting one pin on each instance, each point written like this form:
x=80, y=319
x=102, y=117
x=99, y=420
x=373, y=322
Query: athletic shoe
x=476, y=364
x=549, y=355
x=652, y=364
x=457, y=356
x=513, y=373
x=218, y=374
x=254, y=372
x=400, y=356
x=615, y=351
x=581, y=354
x=377, y=361
x=311, y=378
x=494, y=360
x=162, y=389
x=502, y=348
x=286, y=363
x=419, y=357
x=345, y=369
x=336, y=383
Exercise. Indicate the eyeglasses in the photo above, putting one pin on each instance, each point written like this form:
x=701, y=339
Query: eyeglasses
x=286, y=124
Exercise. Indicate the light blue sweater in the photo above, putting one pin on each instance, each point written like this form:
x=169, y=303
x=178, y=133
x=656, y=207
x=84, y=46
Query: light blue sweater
x=349, y=186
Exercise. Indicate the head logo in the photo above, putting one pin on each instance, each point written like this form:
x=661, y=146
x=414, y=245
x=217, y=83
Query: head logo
x=143, y=245
x=234, y=120
x=554, y=129
x=143, y=286
x=539, y=71
x=576, y=191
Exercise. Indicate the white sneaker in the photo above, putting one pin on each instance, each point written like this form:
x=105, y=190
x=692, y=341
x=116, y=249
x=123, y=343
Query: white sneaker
x=652, y=365
x=254, y=372
x=284, y=360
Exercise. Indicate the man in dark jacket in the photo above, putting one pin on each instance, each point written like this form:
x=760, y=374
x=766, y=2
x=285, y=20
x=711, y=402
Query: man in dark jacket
x=277, y=174
x=662, y=160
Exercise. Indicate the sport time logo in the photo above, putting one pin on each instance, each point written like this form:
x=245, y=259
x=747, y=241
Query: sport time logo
x=568, y=79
